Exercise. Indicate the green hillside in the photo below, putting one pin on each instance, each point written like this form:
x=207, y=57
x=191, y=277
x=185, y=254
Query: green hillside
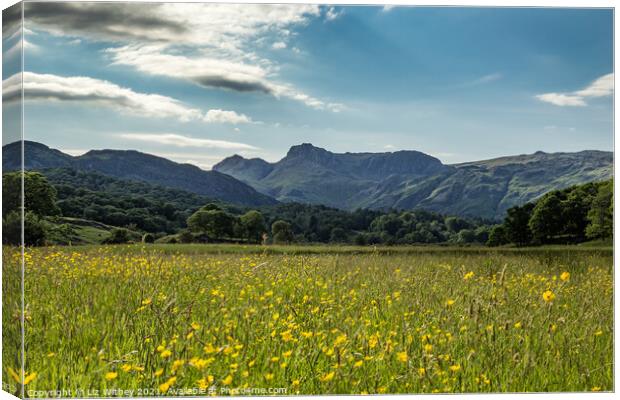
x=137, y=166
x=413, y=180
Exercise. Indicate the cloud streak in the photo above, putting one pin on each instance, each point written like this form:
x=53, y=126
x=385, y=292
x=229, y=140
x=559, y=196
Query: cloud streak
x=110, y=21
x=176, y=140
x=226, y=117
x=212, y=72
x=211, y=45
x=601, y=87
x=85, y=90
x=16, y=49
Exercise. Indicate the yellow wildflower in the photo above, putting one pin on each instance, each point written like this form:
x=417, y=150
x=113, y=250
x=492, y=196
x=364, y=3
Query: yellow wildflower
x=29, y=378
x=340, y=340
x=111, y=376
x=166, y=385
x=177, y=364
x=327, y=377
x=202, y=383
x=548, y=296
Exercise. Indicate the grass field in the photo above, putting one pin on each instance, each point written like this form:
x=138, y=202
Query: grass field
x=182, y=319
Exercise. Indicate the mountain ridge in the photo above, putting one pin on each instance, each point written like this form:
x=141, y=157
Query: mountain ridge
x=405, y=179
x=409, y=179
x=132, y=164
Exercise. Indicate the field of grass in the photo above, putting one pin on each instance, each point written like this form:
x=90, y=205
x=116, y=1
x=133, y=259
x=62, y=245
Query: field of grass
x=199, y=319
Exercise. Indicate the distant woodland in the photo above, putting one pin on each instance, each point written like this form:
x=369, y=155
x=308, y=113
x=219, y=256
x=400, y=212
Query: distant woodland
x=64, y=206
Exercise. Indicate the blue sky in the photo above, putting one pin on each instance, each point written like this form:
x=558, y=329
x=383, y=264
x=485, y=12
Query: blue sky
x=196, y=83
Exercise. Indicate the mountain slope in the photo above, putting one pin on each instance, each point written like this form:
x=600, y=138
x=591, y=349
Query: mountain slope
x=310, y=174
x=129, y=164
x=410, y=179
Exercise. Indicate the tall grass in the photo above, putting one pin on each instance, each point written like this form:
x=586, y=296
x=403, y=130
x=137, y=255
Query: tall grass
x=161, y=319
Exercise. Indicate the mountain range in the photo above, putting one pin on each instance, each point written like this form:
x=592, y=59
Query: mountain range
x=414, y=180
x=134, y=165
x=309, y=174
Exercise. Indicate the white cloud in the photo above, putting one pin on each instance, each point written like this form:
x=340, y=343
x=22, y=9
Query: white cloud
x=198, y=159
x=173, y=139
x=388, y=7
x=279, y=45
x=601, y=87
x=84, y=90
x=79, y=89
x=212, y=45
x=562, y=100
x=193, y=24
x=488, y=78
x=331, y=14
x=16, y=49
x=226, y=117
x=389, y=147
x=74, y=152
x=207, y=71
x=485, y=79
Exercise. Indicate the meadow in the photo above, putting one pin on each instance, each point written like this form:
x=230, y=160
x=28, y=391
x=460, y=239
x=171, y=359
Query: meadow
x=225, y=319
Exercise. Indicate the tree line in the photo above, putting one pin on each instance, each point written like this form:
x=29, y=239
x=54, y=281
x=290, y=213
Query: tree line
x=303, y=223
x=573, y=215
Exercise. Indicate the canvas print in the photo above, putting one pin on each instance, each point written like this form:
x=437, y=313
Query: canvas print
x=205, y=199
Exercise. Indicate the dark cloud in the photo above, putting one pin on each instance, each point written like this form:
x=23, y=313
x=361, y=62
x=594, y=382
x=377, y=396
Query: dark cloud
x=11, y=19
x=231, y=84
x=102, y=20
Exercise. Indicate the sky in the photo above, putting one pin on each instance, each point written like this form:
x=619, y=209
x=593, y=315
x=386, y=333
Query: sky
x=197, y=82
